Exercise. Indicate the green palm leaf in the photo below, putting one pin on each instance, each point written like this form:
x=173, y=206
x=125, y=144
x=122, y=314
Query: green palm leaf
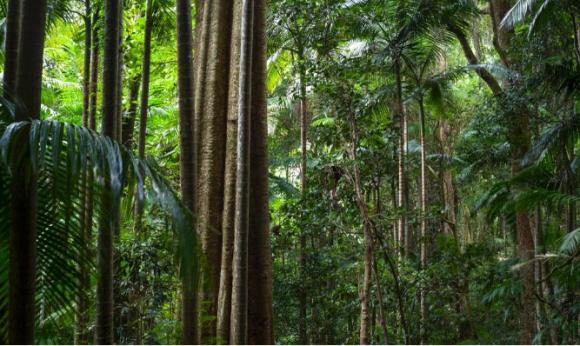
x=60, y=154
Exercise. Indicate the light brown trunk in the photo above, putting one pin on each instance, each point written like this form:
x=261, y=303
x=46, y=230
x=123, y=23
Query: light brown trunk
x=239, y=309
x=229, y=211
x=212, y=95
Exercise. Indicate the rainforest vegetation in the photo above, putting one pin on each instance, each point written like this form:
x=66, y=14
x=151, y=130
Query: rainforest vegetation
x=290, y=172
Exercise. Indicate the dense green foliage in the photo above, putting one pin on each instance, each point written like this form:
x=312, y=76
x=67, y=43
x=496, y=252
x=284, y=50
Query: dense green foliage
x=351, y=62
x=346, y=51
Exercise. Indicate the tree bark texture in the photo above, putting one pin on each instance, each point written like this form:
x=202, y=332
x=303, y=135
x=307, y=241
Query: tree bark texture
x=217, y=86
x=239, y=313
x=189, y=330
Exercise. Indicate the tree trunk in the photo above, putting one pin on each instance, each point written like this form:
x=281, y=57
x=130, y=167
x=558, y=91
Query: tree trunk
x=187, y=160
x=239, y=314
x=368, y=237
x=94, y=73
x=212, y=81
x=519, y=139
x=448, y=194
x=146, y=72
x=144, y=107
x=87, y=63
x=303, y=294
x=11, y=43
x=379, y=293
x=28, y=75
x=120, y=72
x=260, y=315
x=128, y=125
x=82, y=308
x=423, y=240
x=224, y=307
x=402, y=188
x=108, y=223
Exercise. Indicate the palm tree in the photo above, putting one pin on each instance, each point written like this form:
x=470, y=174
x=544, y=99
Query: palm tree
x=59, y=154
x=145, y=75
x=27, y=89
x=81, y=318
x=108, y=225
x=11, y=48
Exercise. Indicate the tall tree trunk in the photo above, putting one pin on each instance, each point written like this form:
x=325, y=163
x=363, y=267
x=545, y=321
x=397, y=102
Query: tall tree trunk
x=87, y=63
x=87, y=336
x=260, y=315
x=30, y=38
x=402, y=188
x=94, y=72
x=189, y=330
x=239, y=314
x=224, y=311
x=519, y=139
x=379, y=293
x=368, y=237
x=144, y=106
x=146, y=73
x=120, y=73
x=11, y=42
x=82, y=308
x=108, y=223
x=423, y=240
x=129, y=115
x=448, y=194
x=213, y=81
x=303, y=294
x=398, y=289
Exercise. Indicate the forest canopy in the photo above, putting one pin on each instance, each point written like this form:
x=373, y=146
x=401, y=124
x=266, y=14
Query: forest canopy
x=290, y=172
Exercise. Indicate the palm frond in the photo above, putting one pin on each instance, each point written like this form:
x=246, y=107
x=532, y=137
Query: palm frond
x=571, y=243
x=517, y=13
x=59, y=154
x=567, y=130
